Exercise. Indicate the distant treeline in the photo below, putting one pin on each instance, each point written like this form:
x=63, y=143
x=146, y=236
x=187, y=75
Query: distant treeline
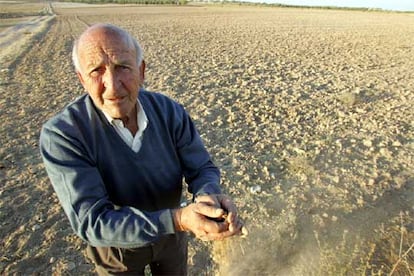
x=244, y=3
x=139, y=2
x=220, y=2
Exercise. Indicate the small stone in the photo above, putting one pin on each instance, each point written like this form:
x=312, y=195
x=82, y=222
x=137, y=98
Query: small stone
x=35, y=227
x=71, y=266
x=367, y=143
x=396, y=144
x=384, y=152
x=255, y=189
x=335, y=179
x=39, y=218
x=360, y=201
x=265, y=171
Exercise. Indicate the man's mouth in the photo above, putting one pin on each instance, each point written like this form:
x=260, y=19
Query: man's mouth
x=115, y=99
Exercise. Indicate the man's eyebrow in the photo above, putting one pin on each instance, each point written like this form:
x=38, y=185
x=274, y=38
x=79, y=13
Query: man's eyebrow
x=94, y=63
x=92, y=66
x=123, y=62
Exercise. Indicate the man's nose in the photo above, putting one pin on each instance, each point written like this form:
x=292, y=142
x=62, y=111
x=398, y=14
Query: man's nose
x=111, y=79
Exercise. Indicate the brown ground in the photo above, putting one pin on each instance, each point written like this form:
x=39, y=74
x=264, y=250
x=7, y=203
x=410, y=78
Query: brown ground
x=307, y=112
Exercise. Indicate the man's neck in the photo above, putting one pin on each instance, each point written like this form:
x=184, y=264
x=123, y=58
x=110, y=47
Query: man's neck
x=130, y=122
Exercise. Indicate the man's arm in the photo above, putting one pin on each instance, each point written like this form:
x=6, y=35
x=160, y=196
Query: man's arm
x=202, y=176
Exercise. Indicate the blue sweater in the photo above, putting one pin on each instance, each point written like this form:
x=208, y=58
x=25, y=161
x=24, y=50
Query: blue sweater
x=112, y=195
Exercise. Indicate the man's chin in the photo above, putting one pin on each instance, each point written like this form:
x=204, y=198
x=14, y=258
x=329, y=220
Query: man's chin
x=118, y=110
x=115, y=113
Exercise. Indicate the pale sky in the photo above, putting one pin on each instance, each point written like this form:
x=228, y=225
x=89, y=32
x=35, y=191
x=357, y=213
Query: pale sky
x=398, y=5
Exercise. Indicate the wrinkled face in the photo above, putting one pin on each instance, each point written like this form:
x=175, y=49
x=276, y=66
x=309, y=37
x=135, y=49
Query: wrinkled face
x=109, y=72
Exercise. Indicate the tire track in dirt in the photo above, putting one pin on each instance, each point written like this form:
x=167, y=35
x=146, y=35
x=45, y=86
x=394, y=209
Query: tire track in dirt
x=39, y=83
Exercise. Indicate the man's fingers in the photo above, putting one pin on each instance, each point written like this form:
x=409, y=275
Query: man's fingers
x=219, y=219
x=227, y=204
x=211, y=226
x=208, y=199
x=235, y=227
x=208, y=210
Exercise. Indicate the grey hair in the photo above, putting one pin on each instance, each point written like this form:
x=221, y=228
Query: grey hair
x=125, y=36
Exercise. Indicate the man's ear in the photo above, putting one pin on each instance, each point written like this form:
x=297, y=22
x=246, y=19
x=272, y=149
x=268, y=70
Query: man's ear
x=142, y=70
x=80, y=78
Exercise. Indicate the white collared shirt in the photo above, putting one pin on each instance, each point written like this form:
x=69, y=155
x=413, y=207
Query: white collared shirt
x=134, y=142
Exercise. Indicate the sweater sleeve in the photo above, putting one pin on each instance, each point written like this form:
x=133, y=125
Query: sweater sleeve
x=82, y=193
x=202, y=176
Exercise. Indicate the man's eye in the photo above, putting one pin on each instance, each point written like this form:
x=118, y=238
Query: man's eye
x=124, y=67
x=96, y=72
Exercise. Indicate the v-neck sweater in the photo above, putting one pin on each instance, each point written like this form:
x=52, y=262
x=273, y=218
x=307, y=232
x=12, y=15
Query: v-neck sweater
x=112, y=195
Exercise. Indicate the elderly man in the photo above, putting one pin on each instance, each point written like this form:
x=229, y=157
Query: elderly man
x=117, y=157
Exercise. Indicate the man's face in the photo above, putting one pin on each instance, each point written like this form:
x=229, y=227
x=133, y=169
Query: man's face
x=110, y=73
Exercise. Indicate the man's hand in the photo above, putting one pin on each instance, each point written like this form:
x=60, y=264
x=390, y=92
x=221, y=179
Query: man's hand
x=211, y=217
x=224, y=202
